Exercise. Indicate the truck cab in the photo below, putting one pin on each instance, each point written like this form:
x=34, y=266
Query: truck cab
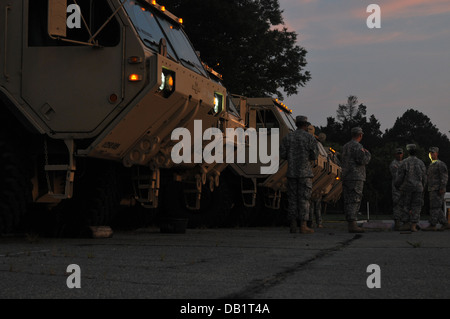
x=100, y=82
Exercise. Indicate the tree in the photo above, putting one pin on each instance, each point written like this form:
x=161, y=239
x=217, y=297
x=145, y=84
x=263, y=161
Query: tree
x=245, y=41
x=351, y=112
x=415, y=127
x=350, y=115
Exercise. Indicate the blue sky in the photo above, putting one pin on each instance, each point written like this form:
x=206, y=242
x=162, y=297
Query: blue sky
x=404, y=64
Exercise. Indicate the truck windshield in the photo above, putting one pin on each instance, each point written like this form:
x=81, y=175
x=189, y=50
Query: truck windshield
x=152, y=27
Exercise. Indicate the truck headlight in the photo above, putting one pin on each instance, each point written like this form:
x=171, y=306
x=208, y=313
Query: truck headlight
x=167, y=82
x=218, y=102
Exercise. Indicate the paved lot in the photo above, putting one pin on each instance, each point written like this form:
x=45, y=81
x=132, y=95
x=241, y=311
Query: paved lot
x=235, y=263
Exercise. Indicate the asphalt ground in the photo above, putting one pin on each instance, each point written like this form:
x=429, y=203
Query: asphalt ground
x=241, y=264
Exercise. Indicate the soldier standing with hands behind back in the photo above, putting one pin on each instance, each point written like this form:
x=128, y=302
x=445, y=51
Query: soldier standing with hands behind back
x=411, y=179
x=354, y=160
x=299, y=148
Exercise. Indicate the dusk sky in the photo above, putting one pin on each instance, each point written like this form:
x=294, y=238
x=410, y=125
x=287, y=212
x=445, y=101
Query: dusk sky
x=404, y=64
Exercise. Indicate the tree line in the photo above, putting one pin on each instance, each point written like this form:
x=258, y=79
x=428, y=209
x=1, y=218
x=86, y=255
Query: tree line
x=412, y=127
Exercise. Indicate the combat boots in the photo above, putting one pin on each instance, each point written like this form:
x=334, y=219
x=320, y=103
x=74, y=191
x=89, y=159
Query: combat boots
x=430, y=228
x=414, y=227
x=405, y=227
x=304, y=229
x=354, y=228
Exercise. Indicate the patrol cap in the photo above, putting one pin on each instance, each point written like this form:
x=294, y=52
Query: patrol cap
x=357, y=130
x=434, y=149
x=301, y=119
x=410, y=147
x=399, y=150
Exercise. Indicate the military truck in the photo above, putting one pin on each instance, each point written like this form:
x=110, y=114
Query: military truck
x=90, y=92
x=270, y=113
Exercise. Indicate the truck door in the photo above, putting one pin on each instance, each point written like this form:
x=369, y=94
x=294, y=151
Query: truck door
x=69, y=85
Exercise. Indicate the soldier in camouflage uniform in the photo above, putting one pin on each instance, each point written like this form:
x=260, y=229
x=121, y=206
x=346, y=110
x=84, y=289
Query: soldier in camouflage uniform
x=437, y=177
x=393, y=168
x=354, y=160
x=299, y=148
x=411, y=179
x=315, y=205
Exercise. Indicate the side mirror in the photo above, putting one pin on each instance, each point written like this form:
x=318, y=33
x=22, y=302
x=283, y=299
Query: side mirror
x=57, y=17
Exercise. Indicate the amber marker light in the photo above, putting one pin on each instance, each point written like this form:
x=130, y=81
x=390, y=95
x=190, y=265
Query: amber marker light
x=134, y=59
x=134, y=77
x=180, y=21
x=163, y=8
x=170, y=81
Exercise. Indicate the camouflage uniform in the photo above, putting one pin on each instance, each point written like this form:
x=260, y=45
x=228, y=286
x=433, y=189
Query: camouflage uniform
x=354, y=161
x=397, y=211
x=411, y=178
x=315, y=211
x=437, y=177
x=299, y=148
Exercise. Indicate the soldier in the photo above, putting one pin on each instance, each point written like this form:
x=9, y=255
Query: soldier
x=437, y=177
x=393, y=168
x=411, y=179
x=299, y=148
x=354, y=160
x=315, y=205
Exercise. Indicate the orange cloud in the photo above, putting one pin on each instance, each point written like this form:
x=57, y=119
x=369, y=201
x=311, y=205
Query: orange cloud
x=346, y=38
x=409, y=8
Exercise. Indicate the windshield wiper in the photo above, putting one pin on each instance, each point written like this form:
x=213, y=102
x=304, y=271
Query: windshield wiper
x=152, y=42
x=193, y=65
x=156, y=44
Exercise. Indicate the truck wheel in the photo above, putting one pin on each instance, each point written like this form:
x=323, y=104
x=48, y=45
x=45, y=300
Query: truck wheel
x=15, y=190
x=95, y=201
x=217, y=208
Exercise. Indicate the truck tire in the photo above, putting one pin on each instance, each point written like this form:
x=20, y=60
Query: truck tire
x=101, y=197
x=15, y=189
x=95, y=201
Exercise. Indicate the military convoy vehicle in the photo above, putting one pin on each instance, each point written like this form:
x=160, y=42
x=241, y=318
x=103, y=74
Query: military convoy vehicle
x=90, y=95
x=90, y=92
x=271, y=113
